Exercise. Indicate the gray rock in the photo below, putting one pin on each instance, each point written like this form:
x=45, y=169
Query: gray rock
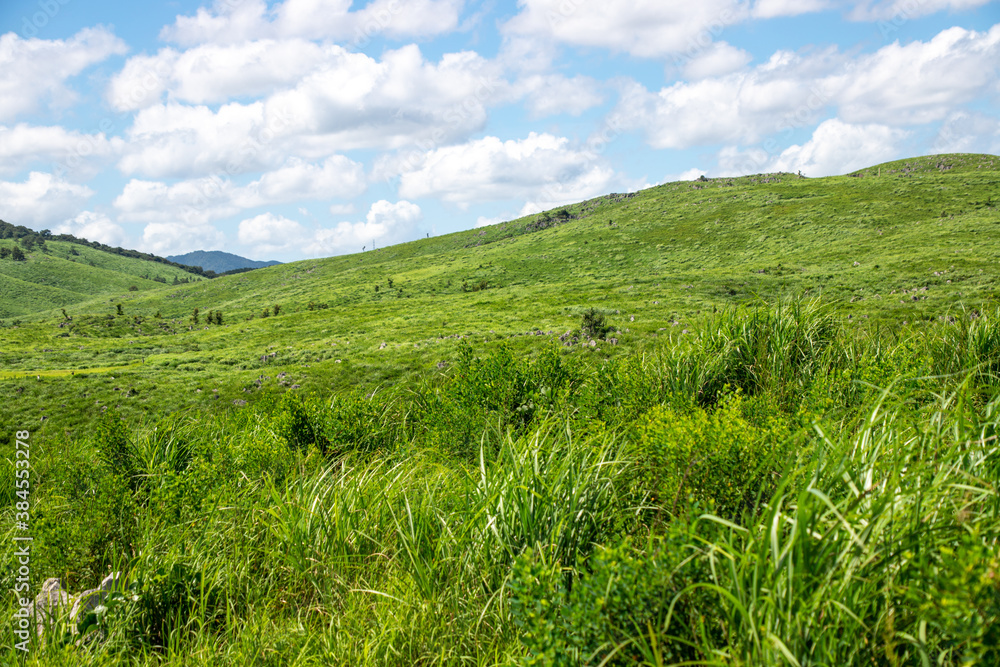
x=48, y=604
x=90, y=600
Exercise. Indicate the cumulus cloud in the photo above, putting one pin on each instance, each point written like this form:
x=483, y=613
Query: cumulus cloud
x=385, y=223
x=348, y=101
x=897, y=85
x=212, y=197
x=213, y=73
x=918, y=82
x=717, y=60
x=75, y=153
x=41, y=201
x=94, y=227
x=230, y=23
x=738, y=108
x=644, y=28
x=172, y=140
x=268, y=233
x=36, y=70
x=550, y=94
x=540, y=167
x=968, y=132
x=835, y=148
x=769, y=9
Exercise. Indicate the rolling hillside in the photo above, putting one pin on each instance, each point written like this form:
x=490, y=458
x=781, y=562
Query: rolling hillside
x=66, y=273
x=749, y=421
x=915, y=244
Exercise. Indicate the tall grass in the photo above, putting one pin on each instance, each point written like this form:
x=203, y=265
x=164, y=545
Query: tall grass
x=773, y=490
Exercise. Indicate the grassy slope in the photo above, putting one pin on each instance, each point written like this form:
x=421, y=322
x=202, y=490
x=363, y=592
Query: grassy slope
x=57, y=278
x=907, y=245
x=246, y=549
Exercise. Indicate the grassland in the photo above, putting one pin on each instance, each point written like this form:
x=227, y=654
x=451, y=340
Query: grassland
x=66, y=273
x=782, y=451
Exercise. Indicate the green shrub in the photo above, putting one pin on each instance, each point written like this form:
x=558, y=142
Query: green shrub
x=594, y=324
x=606, y=614
x=713, y=455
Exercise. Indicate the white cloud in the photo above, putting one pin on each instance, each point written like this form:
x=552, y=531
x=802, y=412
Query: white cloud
x=903, y=10
x=297, y=180
x=75, y=153
x=41, y=201
x=644, y=28
x=540, y=167
x=550, y=94
x=965, y=132
x=738, y=108
x=94, y=227
x=348, y=101
x=214, y=73
x=717, y=60
x=191, y=202
x=268, y=233
x=33, y=70
x=180, y=141
x=835, y=148
x=386, y=223
x=229, y=23
x=213, y=197
x=921, y=81
x=897, y=85
x=769, y=9
x=171, y=238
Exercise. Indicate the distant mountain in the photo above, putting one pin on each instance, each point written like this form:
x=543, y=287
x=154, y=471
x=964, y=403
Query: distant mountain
x=218, y=261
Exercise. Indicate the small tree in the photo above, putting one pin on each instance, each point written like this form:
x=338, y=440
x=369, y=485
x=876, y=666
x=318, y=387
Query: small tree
x=121, y=311
x=594, y=324
x=265, y=313
x=17, y=254
x=194, y=316
x=277, y=309
x=218, y=317
x=4, y=252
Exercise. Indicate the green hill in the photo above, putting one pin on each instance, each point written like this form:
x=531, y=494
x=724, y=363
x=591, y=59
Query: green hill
x=734, y=421
x=64, y=273
x=910, y=245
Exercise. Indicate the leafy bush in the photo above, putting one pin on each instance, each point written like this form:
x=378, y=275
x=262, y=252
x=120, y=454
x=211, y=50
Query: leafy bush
x=594, y=324
x=715, y=456
x=606, y=614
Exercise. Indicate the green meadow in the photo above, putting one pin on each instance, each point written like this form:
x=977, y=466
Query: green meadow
x=738, y=421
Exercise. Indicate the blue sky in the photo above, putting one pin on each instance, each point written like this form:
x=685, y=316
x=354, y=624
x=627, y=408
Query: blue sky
x=307, y=128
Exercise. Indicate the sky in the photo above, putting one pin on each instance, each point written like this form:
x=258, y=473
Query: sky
x=311, y=128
